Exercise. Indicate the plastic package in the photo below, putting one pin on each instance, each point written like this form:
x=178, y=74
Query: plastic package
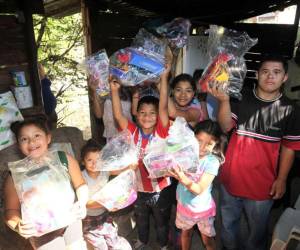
x=143, y=61
x=119, y=192
x=150, y=44
x=227, y=68
x=176, y=31
x=44, y=191
x=97, y=66
x=118, y=153
x=180, y=148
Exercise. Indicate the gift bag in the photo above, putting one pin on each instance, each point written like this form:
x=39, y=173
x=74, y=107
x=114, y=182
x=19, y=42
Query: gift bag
x=226, y=69
x=119, y=192
x=180, y=148
x=44, y=191
x=9, y=113
x=97, y=67
x=118, y=153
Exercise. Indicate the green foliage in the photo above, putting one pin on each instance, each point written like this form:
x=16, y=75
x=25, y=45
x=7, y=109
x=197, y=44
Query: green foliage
x=60, y=48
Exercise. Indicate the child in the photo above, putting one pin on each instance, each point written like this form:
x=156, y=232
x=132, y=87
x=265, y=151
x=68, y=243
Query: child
x=102, y=109
x=195, y=204
x=153, y=194
x=104, y=235
x=183, y=102
x=33, y=138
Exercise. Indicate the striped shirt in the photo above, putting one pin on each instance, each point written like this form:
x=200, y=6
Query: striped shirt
x=145, y=184
x=260, y=128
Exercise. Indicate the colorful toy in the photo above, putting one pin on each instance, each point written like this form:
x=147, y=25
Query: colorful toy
x=97, y=67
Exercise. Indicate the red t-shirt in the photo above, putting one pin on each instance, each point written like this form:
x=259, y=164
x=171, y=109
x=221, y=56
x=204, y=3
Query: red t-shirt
x=145, y=184
x=251, y=158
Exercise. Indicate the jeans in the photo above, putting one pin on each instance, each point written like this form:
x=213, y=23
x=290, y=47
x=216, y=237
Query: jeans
x=257, y=217
x=159, y=205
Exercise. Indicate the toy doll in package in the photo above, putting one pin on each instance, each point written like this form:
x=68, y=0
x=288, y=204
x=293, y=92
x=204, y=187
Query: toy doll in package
x=97, y=66
x=180, y=148
x=44, y=191
x=227, y=68
x=118, y=153
x=119, y=192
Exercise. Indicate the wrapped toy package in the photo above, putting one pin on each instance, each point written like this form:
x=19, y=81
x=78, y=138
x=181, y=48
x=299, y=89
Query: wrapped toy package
x=143, y=60
x=97, y=66
x=44, y=191
x=176, y=32
x=118, y=153
x=180, y=148
x=227, y=68
x=119, y=192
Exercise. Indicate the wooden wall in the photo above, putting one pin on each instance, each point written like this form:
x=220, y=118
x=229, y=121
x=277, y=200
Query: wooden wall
x=18, y=52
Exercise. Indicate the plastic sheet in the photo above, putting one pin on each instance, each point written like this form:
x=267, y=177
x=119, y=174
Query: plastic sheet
x=180, y=148
x=176, y=31
x=227, y=68
x=44, y=191
x=97, y=67
x=118, y=153
x=119, y=192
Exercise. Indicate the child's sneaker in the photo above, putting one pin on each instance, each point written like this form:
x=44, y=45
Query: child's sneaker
x=138, y=245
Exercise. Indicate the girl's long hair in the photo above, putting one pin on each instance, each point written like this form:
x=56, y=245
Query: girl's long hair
x=213, y=128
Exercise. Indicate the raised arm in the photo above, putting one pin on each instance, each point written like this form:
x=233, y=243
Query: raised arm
x=163, y=96
x=116, y=104
x=97, y=103
x=224, y=112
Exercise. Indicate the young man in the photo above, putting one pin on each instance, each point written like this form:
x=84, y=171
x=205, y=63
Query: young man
x=153, y=194
x=266, y=131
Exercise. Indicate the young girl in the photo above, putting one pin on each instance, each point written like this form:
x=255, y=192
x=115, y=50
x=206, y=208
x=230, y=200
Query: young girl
x=104, y=235
x=33, y=138
x=195, y=204
x=184, y=102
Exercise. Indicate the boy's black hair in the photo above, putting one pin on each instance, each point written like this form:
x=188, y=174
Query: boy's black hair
x=274, y=58
x=38, y=121
x=213, y=128
x=148, y=100
x=90, y=146
x=184, y=78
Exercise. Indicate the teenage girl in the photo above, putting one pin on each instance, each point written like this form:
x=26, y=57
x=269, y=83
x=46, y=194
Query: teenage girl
x=183, y=102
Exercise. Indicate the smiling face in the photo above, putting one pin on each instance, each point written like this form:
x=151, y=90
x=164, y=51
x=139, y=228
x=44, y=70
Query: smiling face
x=33, y=141
x=271, y=76
x=183, y=93
x=147, y=117
x=89, y=161
x=207, y=143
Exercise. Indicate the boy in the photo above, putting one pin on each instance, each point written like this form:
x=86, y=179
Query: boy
x=266, y=127
x=153, y=194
